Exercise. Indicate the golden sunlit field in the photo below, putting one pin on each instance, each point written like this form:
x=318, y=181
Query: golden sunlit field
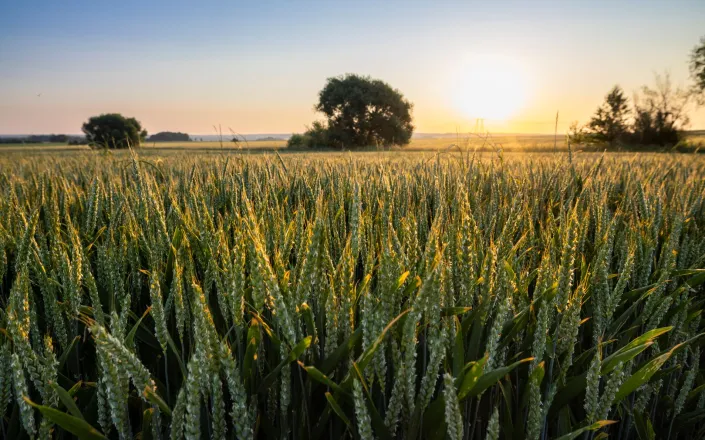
x=198, y=293
x=455, y=220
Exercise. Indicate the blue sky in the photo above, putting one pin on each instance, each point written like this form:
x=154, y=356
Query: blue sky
x=257, y=66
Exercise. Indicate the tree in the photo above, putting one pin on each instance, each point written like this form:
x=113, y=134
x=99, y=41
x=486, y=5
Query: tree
x=609, y=124
x=362, y=111
x=660, y=114
x=697, y=70
x=113, y=130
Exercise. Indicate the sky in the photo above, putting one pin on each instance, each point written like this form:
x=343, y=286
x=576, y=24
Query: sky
x=257, y=67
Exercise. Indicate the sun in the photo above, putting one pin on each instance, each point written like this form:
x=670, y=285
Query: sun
x=490, y=87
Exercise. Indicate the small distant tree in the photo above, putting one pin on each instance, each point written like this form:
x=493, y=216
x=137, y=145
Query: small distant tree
x=660, y=114
x=697, y=70
x=609, y=125
x=113, y=130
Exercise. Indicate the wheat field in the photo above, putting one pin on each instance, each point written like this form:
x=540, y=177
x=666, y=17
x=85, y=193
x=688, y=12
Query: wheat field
x=480, y=142
x=436, y=296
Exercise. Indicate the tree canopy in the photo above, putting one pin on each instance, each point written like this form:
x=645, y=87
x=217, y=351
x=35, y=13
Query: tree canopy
x=360, y=111
x=113, y=130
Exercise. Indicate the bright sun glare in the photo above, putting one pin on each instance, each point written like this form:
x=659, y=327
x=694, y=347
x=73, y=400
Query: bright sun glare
x=489, y=87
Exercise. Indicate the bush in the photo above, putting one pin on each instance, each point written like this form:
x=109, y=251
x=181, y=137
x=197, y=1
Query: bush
x=654, y=127
x=316, y=136
x=297, y=140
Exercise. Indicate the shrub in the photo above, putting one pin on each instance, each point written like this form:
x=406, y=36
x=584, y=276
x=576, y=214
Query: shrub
x=316, y=136
x=297, y=140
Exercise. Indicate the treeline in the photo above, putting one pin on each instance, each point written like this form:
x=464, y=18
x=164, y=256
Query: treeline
x=44, y=139
x=169, y=136
x=100, y=130
x=657, y=116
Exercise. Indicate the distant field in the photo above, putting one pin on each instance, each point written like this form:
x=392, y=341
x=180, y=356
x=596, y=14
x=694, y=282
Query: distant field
x=524, y=142
x=698, y=139
x=490, y=143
